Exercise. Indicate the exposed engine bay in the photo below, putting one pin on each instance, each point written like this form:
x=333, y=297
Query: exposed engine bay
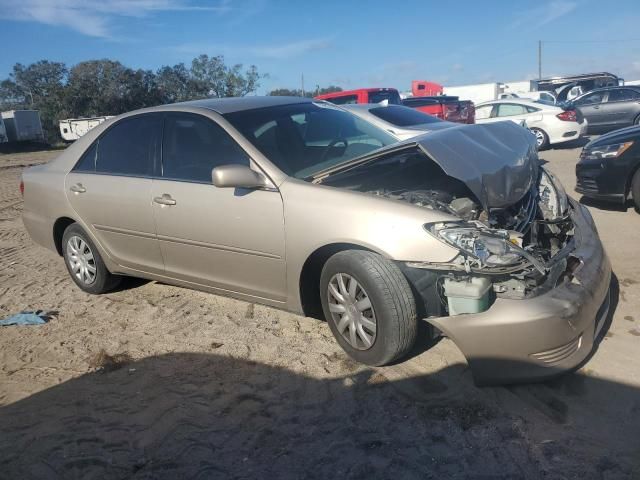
x=519, y=251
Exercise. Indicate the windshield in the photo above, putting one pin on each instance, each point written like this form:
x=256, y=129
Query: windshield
x=305, y=138
x=403, y=116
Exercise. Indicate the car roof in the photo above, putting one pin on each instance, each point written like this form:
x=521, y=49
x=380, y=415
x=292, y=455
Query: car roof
x=521, y=101
x=238, y=104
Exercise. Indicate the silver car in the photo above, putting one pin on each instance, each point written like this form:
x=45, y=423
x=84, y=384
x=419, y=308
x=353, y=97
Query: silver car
x=302, y=206
x=401, y=122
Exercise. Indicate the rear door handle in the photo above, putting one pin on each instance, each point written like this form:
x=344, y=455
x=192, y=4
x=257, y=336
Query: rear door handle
x=78, y=188
x=165, y=199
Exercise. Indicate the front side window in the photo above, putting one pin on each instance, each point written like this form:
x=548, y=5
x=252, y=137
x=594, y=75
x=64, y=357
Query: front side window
x=304, y=138
x=511, y=109
x=591, y=99
x=130, y=147
x=193, y=145
x=403, y=116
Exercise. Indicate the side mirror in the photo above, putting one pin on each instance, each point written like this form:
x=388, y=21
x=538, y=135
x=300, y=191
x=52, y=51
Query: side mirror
x=237, y=176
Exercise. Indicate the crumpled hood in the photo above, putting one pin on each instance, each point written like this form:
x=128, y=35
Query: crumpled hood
x=498, y=162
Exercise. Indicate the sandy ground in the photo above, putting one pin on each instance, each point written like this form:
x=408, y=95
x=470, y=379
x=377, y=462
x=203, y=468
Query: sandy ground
x=155, y=381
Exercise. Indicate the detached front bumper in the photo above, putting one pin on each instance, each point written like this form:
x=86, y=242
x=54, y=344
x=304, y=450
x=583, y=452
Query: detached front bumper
x=535, y=338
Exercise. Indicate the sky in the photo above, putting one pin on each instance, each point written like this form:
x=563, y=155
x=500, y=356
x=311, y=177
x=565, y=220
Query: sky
x=352, y=44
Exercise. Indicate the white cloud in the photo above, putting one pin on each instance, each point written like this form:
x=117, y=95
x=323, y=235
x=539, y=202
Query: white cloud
x=94, y=17
x=544, y=14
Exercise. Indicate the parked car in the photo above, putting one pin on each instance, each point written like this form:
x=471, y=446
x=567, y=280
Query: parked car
x=401, y=122
x=303, y=206
x=444, y=107
x=610, y=108
x=362, y=95
x=608, y=168
x=550, y=124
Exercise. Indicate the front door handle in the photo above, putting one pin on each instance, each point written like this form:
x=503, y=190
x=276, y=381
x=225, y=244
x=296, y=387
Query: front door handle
x=165, y=199
x=78, y=188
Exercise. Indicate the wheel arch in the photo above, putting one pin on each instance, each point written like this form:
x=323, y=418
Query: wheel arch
x=309, y=280
x=59, y=226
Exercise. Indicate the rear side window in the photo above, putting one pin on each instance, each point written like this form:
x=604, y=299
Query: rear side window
x=87, y=162
x=510, y=109
x=130, y=147
x=595, y=97
x=193, y=145
x=403, y=116
x=343, y=100
x=392, y=96
x=483, y=112
x=622, y=95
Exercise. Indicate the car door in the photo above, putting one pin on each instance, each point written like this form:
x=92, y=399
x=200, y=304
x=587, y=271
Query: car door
x=591, y=107
x=229, y=239
x=110, y=190
x=620, y=109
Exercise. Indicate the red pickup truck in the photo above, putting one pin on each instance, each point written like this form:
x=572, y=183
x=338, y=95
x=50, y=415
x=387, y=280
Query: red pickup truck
x=363, y=95
x=444, y=107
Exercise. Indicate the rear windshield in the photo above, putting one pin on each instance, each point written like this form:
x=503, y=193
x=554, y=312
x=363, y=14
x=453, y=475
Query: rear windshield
x=392, y=96
x=403, y=116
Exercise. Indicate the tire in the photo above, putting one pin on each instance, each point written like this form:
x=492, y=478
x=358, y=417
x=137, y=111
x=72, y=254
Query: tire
x=392, y=306
x=89, y=271
x=542, y=139
x=635, y=190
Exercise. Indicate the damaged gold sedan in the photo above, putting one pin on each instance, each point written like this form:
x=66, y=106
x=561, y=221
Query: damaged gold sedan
x=302, y=206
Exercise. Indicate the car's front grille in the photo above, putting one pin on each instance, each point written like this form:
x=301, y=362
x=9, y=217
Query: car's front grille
x=558, y=354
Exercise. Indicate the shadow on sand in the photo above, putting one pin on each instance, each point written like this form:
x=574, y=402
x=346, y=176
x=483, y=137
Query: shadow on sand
x=202, y=416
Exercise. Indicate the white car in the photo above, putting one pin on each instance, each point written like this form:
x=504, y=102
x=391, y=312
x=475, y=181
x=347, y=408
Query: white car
x=550, y=124
x=401, y=122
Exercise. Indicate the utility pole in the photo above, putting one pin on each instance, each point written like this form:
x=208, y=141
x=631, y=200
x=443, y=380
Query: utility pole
x=302, y=78
x=539, y=59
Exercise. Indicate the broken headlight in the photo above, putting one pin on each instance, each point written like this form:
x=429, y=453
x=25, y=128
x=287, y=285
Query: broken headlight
x=553, y=198
x=481, y=247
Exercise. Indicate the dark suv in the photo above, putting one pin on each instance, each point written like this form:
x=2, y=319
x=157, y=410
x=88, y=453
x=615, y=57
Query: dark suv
x=609, y=108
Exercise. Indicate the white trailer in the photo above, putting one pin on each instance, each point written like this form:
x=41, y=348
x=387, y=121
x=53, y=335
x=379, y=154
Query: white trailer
x=73, y=128
x=23, y=125
x=3, y=132
x=481, y=92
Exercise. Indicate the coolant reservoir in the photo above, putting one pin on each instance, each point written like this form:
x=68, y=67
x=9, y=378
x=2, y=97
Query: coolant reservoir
x=467, y=296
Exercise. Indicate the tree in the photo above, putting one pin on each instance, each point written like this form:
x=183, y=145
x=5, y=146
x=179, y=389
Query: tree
x=215, y=79
x=278, y=92
x=177, y=85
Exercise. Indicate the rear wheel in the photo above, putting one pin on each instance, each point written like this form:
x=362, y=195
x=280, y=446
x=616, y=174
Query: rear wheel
x=84, y=263
x=635, y=190
x=369, y=306
x=542, y=139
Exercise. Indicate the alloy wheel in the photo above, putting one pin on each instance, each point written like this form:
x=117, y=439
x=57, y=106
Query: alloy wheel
x=352, y=311
x=81, y=261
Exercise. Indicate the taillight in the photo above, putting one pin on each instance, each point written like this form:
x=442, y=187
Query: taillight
x=567, y=116
x=22, y=188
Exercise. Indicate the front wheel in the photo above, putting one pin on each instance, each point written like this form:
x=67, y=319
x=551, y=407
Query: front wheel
x=635, y=190
x=542, y=139
x=369, y=306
